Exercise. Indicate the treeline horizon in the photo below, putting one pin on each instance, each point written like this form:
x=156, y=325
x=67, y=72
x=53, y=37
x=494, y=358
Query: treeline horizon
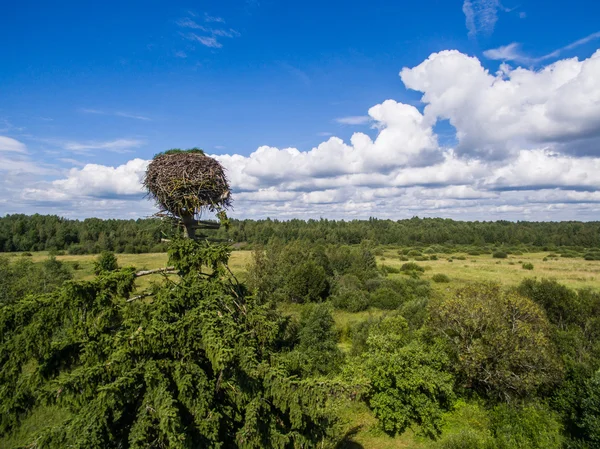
x=20, y=232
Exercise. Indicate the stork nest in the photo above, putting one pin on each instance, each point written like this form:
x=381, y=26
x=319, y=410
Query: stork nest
x=187, y=183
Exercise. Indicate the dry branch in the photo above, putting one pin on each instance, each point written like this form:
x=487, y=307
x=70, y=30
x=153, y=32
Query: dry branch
x=166, y=270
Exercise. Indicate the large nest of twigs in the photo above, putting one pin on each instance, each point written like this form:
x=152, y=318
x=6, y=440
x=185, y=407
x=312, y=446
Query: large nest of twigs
x=187, y=183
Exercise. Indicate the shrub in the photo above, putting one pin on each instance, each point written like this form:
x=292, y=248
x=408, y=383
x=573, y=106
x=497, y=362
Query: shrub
x=307, y=282
x=592, y=256
x=450, y=260
x=411, y=266
x=499, y=255
x=403, y=258
x=460, y=258
x=386, y=298
x=421, y=258
x=440, y=278
x=317, y=351
x=527, y=266
x=408, y=382
x=351, y=300
x=26, y=254
x=77, y=250
x=433, y=257
x=105, y=262
x=528, y=427
x=390, y=270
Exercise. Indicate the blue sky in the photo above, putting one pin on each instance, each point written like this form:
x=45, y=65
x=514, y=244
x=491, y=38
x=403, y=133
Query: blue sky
x=86, y=88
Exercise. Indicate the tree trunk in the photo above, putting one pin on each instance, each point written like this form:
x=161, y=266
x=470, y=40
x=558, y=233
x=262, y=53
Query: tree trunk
x=190, y=229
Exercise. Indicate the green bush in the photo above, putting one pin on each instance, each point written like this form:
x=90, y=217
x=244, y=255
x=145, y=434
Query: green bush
x=105, y=262
x=411, y=266
x=528, y=427
x=499, y=255
x=389, y=269
x=527, y=266
x=351, y=300
x=440, y=278
x=317, y=351
x=386, y=298
x=433, y=257
x=408, y=381
x=421, y=258
x=414, y=253
x=592, y=256
x=403, y=258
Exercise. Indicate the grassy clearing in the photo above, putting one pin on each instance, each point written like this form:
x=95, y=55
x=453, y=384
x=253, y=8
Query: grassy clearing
x=573, y=272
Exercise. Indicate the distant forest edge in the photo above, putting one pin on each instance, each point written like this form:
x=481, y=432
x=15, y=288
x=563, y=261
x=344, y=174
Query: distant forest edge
x=50, y=232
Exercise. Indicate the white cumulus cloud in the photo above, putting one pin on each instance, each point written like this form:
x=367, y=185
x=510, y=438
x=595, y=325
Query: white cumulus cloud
x=519, y=154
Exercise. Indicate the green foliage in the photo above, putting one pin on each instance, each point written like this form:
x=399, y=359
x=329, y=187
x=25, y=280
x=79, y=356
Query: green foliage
x=386, y=298
x=527, y=266
x=306, y=282
x=179, y=150
x=560, y=303
x=500, y=340
x=317, y=351
x=590, y=411
x=301, y=272
x=387, y=269
x=198, y=365
x=408, y=382
x=440, y=278
x=531, y=426
x=499, y=255
x=352, y=300
x=411, y=266
x=595, y=255
x=105, y=262
x=23, y=277
x=467, y=426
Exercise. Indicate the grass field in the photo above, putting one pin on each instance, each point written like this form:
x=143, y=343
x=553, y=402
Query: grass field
x=573, y=272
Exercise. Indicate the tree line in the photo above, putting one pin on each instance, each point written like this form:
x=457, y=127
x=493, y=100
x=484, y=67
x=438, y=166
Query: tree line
x=92, y=235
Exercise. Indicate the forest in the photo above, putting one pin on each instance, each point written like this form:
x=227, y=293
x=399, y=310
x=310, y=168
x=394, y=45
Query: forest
x=93, y=235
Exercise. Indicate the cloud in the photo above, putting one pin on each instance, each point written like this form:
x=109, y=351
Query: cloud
x=180, y=54
x=95, y=181
x=118, y=145
x=494, y=115
x=354, y=120
x=211, y=34
x=480, y=16
x=117, y=114
x=11, y=145
x=208, y=18
x=134, y=116
x=210, y=42
x=512, y=52
x=516, y=131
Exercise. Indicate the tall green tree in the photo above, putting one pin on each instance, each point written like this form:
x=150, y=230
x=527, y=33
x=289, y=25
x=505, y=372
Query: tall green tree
x=197, y=365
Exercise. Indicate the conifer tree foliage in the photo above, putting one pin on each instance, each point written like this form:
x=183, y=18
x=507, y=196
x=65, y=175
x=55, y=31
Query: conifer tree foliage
x=199, y=364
